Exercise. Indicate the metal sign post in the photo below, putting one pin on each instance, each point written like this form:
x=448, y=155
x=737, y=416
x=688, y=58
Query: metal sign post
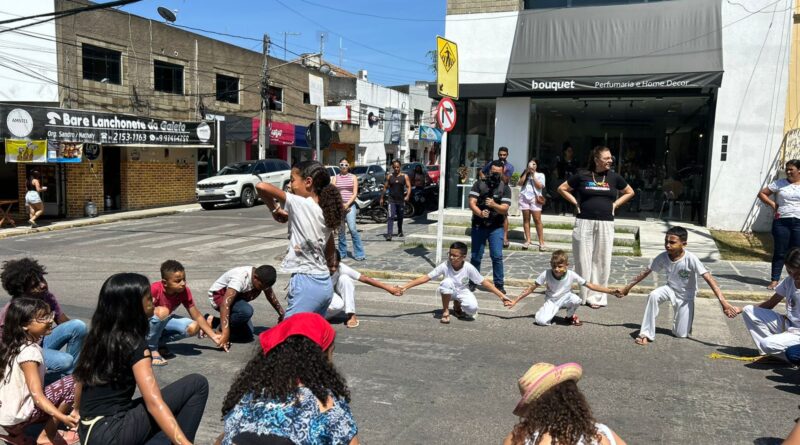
x=446, y=117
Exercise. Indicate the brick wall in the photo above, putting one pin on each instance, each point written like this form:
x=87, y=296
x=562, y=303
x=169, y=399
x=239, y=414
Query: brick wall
x=84, y=181
x=476, y=6
x=154, y=184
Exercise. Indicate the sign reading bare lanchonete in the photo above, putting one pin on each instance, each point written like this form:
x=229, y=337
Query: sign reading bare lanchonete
x=55, y=124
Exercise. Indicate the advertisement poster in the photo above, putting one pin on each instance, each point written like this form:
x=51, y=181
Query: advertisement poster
x=64, y=152
x=430, y=134
x=26, y=151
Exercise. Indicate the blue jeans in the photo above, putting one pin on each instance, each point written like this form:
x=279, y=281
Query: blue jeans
x=309, y=293
x=241, y=314
x=793, y=354
x=358, y=248
x=395, y=211
x=785, y=234
x=168, y=330
x=495, y=237
x=57, y=363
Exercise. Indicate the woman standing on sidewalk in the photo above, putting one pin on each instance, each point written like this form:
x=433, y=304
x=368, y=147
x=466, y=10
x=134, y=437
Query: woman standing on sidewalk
x=32, y=199
x=399, y=188
x=786, y=224
x=600, y=191
x=531, y=199
x=347, y=183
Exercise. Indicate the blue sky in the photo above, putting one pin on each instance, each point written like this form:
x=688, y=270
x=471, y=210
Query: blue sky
x=391, y=50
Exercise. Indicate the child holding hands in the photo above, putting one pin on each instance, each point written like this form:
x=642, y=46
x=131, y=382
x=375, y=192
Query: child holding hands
x=457, y=276
x=558, y=293
x=24, y=399
x=680, y=268
x=165, y=327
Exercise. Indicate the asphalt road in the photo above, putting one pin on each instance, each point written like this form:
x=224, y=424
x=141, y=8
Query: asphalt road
x=415, y=381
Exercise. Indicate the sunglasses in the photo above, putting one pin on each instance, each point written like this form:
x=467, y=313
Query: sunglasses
x=344, y=165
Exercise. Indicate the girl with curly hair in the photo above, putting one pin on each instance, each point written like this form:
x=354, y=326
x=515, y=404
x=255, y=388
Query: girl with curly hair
x=554, y=411
x=25, y=399
x=25, y=277
x=116, y=361
x=291, y=389
x=314, y=210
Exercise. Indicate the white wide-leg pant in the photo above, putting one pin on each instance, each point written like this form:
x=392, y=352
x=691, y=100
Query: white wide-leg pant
x=592, y=243
x=569, y=301
x=469, y=304
x=770, y=330
x=682, y=313
x=344, y=297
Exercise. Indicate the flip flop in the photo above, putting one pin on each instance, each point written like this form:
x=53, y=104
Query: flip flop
x=575, y=321
x=445, y=319
x=506, y=244
x=642, y=341
x=159, y=361
x=352, y=323
x=526, y=245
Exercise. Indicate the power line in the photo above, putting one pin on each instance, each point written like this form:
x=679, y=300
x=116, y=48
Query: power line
x=62, y=14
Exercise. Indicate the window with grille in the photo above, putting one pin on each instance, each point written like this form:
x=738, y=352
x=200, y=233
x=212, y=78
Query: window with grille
x=101, y=64
x=167, y=77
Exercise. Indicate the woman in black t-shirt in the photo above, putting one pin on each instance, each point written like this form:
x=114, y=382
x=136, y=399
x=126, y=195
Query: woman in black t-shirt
x=115, y=360
x=596, y=193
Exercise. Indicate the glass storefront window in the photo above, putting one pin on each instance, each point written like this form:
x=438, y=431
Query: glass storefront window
x=470, y=145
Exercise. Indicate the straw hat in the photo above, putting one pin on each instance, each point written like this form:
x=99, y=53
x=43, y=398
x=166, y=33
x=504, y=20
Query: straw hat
x=543, y=376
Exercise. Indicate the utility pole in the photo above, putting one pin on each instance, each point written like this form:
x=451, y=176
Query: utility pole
x=263, y=138
x=286, y=34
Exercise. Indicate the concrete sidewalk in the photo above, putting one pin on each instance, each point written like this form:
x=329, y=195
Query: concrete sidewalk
x=25, y=229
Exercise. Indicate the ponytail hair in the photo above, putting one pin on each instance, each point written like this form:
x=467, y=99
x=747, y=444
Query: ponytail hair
x=330, y=200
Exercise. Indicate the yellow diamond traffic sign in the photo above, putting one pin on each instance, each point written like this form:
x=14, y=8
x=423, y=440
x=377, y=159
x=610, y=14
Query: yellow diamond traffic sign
x=447, y=67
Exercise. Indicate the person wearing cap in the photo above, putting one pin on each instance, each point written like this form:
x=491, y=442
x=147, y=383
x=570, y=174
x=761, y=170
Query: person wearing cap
x=291, y=389
x=553, y=410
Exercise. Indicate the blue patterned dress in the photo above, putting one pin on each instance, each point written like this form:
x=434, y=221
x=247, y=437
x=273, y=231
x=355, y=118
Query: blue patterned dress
x=298, y=419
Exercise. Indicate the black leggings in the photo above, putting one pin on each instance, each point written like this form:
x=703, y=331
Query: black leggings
x=186, y=398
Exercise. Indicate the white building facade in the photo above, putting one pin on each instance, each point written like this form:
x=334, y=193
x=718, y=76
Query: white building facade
x=689, y=95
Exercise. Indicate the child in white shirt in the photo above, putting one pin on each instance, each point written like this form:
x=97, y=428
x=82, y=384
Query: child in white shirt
x=558, y=293
x=455, y=285
x=773, y=332
x=680, y=268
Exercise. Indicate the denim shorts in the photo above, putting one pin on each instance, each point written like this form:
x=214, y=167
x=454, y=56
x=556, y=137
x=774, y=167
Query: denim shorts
x=309, y=293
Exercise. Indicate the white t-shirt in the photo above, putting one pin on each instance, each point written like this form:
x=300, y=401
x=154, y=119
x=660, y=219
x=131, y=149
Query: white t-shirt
x=307, y=237
x=239, y=279
x=529, y=190
x=17, y=403
x=602, y=429
x=347, y=271
x=555, y=288
x=460, y=277
x=681, y=274
x=787, y=196
x=788, y=291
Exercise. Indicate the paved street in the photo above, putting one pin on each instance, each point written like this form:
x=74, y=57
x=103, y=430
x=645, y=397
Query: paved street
x=415, y=381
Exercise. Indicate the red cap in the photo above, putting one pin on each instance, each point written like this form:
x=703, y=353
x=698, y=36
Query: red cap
x=307, y=324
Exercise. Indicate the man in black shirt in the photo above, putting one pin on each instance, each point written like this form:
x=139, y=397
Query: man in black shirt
x=489, y=200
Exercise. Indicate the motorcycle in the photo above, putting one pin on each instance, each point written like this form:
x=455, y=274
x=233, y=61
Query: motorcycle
x=368, y=202
x=425, y=199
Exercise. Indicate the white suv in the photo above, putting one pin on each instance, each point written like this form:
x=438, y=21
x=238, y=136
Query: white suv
x=237, y=182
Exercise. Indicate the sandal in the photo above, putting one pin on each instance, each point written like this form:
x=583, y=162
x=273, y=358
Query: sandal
x=506, y=244
x=445, y=319
x=159, y=361
x=575, y=321
x=642, y=341
x=772, y=285
x=542, y=248
x=352, y=323
x=526, y=245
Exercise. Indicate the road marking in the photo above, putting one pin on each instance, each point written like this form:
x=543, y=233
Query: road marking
x=259, y=247
x=113, y=239
x=230, y=242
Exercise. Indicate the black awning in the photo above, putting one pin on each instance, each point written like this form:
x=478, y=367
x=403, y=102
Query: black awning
x=660, y=45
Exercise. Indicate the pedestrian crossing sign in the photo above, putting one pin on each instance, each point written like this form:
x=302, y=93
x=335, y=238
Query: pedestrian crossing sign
x=446, y=68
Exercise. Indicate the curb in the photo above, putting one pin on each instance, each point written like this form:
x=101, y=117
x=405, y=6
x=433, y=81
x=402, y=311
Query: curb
x=96, y=221
x=736, y=295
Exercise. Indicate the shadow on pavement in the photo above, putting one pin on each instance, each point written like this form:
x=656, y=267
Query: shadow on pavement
x=768, y=441
x=743, y=279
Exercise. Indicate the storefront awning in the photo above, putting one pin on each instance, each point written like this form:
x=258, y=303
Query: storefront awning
x=659, y=45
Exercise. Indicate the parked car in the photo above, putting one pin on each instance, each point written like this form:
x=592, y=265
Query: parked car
x=433, y=172
x=362, y=172
x=333, y=170
x=237, y=182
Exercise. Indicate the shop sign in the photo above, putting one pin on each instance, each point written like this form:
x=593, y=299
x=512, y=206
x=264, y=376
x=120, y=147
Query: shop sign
x=26, y=151
x=55, y=124
x=64, y=152
x=606, y=83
